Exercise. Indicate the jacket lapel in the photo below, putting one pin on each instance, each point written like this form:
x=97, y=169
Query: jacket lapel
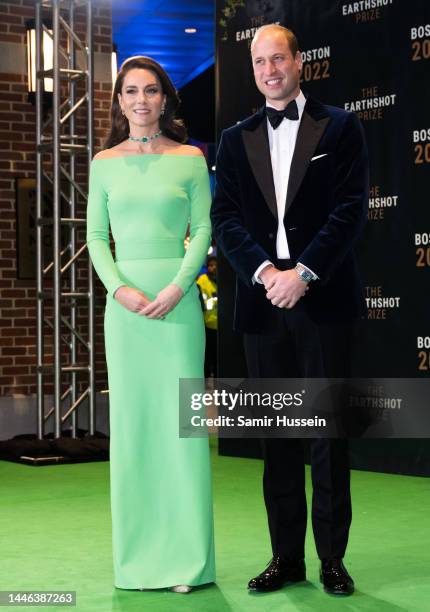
x=256, y=142
x=314, y=122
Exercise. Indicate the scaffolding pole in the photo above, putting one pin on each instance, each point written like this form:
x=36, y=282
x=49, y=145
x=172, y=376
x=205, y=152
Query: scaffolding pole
x=58, y=293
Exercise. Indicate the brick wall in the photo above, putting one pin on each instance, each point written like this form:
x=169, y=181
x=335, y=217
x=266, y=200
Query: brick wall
x=17, y=159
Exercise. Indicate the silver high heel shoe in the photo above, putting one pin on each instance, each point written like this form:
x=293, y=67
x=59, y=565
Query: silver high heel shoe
x=181, y=588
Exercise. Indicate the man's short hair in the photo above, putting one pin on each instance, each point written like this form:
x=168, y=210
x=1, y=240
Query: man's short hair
x=289, y=35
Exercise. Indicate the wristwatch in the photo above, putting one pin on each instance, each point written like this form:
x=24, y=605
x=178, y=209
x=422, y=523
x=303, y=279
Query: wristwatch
x=304, y=274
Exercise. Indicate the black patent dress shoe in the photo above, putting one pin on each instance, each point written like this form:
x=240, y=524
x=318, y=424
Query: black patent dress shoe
x=277, y=574
x=335, y=578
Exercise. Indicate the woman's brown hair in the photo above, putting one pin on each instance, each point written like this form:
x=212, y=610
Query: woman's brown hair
x=172, y=128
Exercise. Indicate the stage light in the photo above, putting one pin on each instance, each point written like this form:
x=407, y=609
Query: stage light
x=47, y=59
x=190, y=30
x=114, y=63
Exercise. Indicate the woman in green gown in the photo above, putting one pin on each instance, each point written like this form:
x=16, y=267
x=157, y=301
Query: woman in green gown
x=149, y=187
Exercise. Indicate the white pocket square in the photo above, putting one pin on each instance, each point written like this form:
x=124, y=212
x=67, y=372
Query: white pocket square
x=318, y=156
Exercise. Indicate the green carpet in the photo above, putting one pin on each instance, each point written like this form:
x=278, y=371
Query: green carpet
x=55, y=535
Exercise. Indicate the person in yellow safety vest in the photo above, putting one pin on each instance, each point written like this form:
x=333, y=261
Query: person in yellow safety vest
x=208, y=291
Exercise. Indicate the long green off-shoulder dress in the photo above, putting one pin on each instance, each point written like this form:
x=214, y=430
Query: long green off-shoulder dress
x=161, y=499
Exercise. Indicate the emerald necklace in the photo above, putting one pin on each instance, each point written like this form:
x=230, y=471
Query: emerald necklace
x=145, y=138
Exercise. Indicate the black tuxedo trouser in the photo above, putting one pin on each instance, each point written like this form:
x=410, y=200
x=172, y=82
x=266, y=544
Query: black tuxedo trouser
x=302, y=348
x=211, y=352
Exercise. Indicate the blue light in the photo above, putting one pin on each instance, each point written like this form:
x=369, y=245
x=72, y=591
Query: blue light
x=157, y=28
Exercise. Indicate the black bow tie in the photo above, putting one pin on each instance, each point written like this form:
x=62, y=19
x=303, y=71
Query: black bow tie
x=276, y=116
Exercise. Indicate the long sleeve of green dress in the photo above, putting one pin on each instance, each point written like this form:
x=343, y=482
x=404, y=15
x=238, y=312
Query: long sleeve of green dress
x=200, y=227
x=98, y=230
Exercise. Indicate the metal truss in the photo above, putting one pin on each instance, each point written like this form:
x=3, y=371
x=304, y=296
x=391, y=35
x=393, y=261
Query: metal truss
x=58, y=144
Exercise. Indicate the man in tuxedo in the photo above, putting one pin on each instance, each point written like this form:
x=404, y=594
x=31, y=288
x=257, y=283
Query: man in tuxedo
x=290, y=201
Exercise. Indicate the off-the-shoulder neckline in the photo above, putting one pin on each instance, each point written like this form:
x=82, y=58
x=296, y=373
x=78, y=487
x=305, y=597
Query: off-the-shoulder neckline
x=146, y=155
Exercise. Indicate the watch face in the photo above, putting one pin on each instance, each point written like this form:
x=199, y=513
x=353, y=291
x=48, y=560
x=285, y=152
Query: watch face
x=305, y=275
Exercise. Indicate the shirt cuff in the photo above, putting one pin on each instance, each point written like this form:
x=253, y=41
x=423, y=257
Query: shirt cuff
x=314, y=276
x=256, y=278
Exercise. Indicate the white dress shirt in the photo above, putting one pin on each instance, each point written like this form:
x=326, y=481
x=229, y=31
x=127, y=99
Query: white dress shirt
x=282, y=142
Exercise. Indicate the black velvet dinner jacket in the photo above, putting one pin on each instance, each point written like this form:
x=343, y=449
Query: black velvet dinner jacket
x=325, y=211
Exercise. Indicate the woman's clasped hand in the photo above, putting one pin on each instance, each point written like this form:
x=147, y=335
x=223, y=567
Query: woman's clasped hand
x=135, y=300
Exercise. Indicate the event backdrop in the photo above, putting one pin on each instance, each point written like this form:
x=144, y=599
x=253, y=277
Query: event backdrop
x=371, y=57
